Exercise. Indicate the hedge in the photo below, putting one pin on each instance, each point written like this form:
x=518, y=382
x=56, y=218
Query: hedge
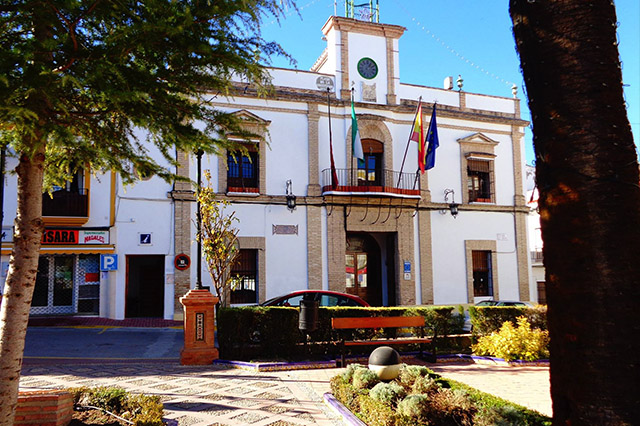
x=487, y=319
x=257, y=332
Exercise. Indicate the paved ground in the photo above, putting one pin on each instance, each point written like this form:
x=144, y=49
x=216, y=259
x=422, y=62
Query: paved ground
x=208, y=395
x=147, y=360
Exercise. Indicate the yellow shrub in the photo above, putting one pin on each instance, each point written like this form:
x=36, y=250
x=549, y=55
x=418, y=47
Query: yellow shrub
x=512, y=342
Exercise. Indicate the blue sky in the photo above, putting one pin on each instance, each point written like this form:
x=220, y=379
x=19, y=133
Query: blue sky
x=471, y=38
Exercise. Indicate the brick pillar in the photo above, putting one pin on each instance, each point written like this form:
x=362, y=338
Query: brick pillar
x=44, y=408
x=199, y=327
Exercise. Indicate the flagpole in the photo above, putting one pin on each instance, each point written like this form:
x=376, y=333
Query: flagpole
x=334, y=176
x=352, y=181
x=409, y=141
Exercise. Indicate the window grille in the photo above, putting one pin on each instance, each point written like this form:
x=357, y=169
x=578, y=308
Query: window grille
x=245, y=271
x=242, y=171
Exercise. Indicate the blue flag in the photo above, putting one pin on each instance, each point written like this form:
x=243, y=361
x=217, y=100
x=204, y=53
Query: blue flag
x=432, y=141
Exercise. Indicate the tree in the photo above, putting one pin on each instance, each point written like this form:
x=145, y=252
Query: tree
x=587, y=175
x=219, y=239
x=79, y=80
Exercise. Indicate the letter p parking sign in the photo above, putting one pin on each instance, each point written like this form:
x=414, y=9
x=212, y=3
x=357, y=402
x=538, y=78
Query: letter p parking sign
x=108, y=262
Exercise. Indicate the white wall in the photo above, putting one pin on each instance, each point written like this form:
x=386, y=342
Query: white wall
x=449, y=259
x=368, y=46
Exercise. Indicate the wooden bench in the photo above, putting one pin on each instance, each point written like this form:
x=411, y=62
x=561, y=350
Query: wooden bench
x=380, y=322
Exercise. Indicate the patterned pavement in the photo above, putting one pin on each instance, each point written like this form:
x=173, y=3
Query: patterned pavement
x=145, y=360
x=204, y=395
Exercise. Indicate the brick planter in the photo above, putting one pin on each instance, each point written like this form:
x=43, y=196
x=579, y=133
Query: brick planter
x=44, y=408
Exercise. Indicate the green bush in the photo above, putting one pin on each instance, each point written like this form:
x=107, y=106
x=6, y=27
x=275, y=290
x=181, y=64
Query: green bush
x=414, y=406
x=142, y=410
x=452, y=407
x=488, y=319
x=347, y=376
x=424, y=384
x=387, y=393
x=363, y=378
x=447, y=403
x=521, y=342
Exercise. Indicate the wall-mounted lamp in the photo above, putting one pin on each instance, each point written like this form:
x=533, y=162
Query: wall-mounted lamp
x=291, y=199
x=453, y=206
x=459, y=82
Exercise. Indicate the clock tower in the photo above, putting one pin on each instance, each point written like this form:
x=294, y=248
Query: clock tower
x=362, y=55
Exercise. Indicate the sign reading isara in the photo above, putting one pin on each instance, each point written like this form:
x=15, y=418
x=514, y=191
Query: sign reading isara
x=74, y=236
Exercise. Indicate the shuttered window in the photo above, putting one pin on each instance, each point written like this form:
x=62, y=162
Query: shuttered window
x=479, y=180
x=482, y=273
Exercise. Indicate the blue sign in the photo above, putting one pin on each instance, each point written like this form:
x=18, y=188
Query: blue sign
x=407, y=267
x=108, y=262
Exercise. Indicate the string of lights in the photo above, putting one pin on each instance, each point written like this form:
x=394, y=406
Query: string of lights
x=452, y=50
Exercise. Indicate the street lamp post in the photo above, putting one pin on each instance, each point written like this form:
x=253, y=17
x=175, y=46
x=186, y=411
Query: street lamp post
x=199, y=220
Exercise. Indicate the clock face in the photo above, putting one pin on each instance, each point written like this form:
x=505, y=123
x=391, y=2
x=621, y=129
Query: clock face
x=367, y=68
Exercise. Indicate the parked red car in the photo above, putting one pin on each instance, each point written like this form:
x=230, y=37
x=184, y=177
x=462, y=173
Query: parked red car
x=325, y=297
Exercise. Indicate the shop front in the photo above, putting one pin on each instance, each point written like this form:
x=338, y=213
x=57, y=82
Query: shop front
x=68, y=280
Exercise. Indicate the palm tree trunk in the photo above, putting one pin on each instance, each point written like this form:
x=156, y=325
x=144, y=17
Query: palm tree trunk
x=587, y=175
x=18, y=289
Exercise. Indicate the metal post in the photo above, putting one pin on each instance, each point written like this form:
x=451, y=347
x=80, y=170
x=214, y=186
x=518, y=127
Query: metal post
x=3, y=154
x=199, y=220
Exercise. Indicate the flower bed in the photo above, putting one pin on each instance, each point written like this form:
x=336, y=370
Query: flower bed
x=420, y=397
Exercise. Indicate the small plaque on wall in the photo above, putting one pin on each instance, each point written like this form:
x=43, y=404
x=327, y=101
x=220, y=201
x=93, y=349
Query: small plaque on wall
x=285, y=229
x=199, y=326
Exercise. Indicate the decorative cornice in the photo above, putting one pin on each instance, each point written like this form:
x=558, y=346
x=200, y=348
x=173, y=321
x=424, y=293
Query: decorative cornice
x=363, y=27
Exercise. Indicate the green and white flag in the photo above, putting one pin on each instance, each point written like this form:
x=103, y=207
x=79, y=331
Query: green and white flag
x=356, y=143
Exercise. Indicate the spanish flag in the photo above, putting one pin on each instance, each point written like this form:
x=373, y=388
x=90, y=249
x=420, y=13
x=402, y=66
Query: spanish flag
x=418, y=136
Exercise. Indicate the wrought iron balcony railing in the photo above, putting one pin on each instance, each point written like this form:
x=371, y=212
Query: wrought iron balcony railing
x=66, y=203
x=385, y=182
x=537, y=257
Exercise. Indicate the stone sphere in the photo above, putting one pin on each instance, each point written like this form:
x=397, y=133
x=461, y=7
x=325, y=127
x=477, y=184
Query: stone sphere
x=385, y=362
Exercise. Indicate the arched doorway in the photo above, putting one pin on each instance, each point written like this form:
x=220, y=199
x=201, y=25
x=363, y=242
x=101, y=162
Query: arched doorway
x=363, y=268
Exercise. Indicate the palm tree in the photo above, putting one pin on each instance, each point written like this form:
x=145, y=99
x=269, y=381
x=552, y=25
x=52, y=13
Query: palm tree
x=587, y=175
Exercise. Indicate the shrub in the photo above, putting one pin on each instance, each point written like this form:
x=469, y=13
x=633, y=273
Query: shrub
x=109, y=398
x=348, y=372
x=500, y=416
x=414, y=406
x=409, y=373
x=378, y=414
x=452, y=407
x=142, y=410
x=424, y=384
x=445, y=403
x=251, y=332
x=387, y=393
x=488, y=319
x=512, y=343
x=147, y=410
x=363, y=378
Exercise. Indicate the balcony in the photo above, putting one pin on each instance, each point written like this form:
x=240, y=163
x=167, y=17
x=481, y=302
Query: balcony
x=537, y=257
x=65, y=203
x=369, y=182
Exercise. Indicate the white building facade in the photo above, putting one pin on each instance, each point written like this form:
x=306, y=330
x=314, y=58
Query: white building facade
x=382, y=231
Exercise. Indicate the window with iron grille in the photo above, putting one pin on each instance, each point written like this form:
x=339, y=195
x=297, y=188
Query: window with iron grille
x=479, y=180
x=245, y=271
x=482, y=274
x=242, y=171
